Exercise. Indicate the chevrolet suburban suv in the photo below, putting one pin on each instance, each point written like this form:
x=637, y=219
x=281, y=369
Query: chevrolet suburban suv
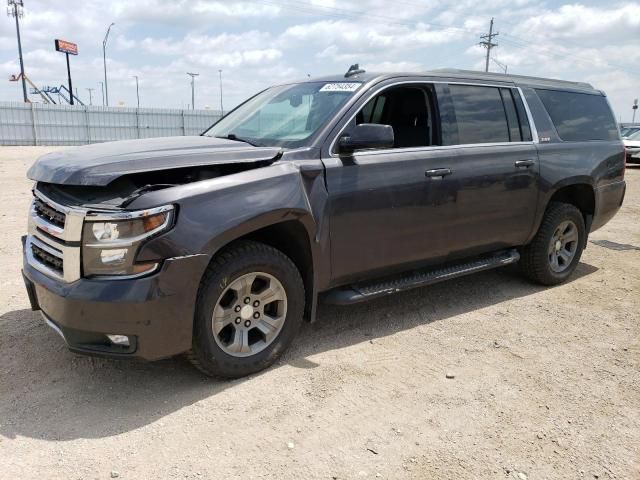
x=353, y=186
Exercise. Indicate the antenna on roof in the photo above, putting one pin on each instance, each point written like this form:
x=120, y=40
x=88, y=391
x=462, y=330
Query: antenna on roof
x=354, y=70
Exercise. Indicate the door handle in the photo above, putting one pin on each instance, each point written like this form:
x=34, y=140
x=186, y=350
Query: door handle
x=438, y=172
x=524, y=163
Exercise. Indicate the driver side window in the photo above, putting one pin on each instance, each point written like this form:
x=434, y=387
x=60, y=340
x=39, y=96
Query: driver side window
x=409, y=110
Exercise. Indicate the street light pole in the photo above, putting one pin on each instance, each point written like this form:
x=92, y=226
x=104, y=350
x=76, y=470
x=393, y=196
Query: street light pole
x=102, y=90
x=221, y=107
x=104, y=60
x=137, y=90
x=635, y=108
x=193, y=89
x=15, y=10
x=90, y=90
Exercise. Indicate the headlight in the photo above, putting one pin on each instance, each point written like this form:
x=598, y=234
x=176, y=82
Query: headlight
x=110, y=242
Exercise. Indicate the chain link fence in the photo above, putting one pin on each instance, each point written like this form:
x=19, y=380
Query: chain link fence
x=50, y=124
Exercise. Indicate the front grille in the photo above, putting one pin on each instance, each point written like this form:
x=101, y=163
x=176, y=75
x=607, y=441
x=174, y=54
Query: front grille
x=51, y=261
x=53, y=243
x=49, y=213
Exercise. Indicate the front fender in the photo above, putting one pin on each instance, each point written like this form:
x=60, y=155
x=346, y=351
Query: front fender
x=213, y=213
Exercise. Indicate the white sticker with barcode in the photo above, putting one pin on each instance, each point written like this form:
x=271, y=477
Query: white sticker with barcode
x=340, y=87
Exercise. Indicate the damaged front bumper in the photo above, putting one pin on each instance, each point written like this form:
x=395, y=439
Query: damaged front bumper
x=154, y=313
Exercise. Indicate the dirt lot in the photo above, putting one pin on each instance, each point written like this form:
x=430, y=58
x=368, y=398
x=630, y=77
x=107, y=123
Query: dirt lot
x=547, y=383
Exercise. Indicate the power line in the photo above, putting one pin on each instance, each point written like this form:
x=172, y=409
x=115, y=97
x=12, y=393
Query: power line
x=341, y=13
x=521, y=43
x=503, y=66
x=487, y=42
x=529, y=44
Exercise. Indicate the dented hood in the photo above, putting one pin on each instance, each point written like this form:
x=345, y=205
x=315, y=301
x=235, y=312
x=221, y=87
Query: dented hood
x=101, y=163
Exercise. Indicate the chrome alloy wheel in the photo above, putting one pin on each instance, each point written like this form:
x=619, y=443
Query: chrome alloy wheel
x=249, y=314
x=563, y=246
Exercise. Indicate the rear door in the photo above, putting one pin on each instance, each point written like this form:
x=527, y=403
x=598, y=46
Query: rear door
x=496, y=168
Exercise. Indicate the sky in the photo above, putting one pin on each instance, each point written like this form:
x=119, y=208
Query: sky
x=262, y=42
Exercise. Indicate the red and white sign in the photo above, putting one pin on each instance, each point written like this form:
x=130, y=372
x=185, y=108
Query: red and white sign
x=66, y=47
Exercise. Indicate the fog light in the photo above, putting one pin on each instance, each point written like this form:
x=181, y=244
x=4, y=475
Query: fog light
x=119, y=340
x=114, y=257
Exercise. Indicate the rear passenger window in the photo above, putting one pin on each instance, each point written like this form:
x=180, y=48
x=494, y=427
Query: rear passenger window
x=579, y=116
x=480, y=115
x=512, y=115
x=522, y=116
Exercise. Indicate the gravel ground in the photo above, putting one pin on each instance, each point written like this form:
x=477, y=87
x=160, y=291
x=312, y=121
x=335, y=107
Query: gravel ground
x=546, y=382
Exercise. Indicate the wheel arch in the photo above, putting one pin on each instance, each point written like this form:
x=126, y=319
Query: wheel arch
x=291, y=233
x=580, y=194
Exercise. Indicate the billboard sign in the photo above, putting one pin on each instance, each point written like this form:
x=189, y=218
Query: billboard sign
x=66, y=47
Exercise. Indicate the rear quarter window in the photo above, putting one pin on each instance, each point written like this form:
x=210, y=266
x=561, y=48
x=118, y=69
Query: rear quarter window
x=579, y=116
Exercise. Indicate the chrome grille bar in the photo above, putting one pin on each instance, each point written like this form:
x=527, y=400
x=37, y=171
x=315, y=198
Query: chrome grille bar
x=56, y=230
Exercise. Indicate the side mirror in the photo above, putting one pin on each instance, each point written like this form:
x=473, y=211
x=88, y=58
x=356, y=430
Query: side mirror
x=366, y=135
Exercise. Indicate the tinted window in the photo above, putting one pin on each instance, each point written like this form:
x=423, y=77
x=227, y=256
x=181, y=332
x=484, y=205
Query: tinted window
x=522, y=116
x=480, y=115
x=512, y=115
x=579, y=116
x=409, y=111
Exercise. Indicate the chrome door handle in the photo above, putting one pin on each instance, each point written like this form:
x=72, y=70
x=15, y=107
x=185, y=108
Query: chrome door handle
x=524, y=163
x=438, y=172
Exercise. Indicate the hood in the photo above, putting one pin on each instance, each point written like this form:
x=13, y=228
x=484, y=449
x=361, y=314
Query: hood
x=102, y=163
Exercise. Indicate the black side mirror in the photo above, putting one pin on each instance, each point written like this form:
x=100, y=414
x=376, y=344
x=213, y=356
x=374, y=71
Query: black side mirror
x=366, y=135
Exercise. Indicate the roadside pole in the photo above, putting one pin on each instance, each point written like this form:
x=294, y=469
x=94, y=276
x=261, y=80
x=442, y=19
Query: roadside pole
x=68, y=48
x=69, y=77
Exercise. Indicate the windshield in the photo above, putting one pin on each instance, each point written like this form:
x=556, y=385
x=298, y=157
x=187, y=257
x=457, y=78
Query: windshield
x=634, y=136
x=286, y=115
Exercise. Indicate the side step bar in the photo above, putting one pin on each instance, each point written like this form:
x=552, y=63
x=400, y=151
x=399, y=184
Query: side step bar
x=418, y=278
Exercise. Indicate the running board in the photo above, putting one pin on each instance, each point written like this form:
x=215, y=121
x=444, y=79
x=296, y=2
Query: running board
x=418, y=278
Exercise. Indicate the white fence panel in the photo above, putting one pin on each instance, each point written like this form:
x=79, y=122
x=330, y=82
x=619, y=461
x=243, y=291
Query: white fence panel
x=47, y=124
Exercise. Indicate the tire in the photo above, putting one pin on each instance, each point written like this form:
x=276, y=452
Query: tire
x=223, y=288
x=536, y=259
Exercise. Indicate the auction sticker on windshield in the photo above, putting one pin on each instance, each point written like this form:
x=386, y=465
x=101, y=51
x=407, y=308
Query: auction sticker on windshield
x=340, y=87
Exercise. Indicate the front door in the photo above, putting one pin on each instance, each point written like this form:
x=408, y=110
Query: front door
x=387, y=208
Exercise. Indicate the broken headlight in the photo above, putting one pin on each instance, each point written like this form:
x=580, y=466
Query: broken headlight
x=110, y=241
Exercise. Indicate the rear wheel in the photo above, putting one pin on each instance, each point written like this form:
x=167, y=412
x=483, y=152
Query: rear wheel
x=250, y=307
x=554, y=253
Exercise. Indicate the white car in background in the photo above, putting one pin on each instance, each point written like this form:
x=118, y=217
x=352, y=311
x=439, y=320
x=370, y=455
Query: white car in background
x=632, y=144
x=626, y=132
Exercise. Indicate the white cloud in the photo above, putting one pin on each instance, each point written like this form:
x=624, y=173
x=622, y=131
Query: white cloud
x=261, y=42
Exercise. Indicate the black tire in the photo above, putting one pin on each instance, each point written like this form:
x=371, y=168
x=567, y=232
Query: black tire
x=243, y=258
x=534, y=260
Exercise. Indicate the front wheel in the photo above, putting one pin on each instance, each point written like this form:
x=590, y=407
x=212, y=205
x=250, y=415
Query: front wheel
x=555, y=251
x=250, y=307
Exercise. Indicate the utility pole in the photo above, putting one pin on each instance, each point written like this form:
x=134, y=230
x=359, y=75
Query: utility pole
x=500, y=64
x=487, y=42
x=90, y=96
x=104, y=60
x=193, y=89
x=102, y=90
x=14, y=9
x=635, y=109
x=137, y=90
x=221, y=107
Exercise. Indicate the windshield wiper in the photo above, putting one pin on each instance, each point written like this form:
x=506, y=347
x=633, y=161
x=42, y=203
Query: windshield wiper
x=234, y=137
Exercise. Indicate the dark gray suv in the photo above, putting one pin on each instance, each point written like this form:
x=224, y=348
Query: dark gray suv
x=354, y=186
